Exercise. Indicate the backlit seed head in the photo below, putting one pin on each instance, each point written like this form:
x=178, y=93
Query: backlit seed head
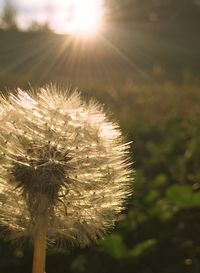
x=62, y=164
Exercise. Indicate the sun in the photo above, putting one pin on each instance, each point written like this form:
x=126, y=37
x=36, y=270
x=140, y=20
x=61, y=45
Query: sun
x=85, y=17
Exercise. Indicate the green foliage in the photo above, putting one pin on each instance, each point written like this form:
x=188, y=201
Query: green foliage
x=179, y=195
x=142, y=248
x=115, y=246
x=79, y=264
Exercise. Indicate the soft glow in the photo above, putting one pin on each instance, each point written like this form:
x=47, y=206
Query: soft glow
x=78, y=17
x=85, y=17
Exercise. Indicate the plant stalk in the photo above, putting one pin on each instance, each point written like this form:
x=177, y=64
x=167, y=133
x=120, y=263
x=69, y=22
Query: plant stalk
x=39, y=252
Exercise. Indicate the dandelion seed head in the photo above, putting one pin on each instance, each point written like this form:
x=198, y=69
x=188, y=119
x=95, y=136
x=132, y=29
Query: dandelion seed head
x=62, y=162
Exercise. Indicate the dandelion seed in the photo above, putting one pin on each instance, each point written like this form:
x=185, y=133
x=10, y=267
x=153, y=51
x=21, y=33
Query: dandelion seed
x=64, y=168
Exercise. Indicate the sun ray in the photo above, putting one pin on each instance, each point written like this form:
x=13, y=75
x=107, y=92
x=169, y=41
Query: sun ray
x=85, y=17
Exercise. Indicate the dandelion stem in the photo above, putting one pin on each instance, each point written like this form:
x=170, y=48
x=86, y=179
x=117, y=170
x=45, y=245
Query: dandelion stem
x=39, y=255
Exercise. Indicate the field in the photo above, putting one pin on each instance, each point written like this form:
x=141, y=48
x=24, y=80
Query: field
x=150, y=85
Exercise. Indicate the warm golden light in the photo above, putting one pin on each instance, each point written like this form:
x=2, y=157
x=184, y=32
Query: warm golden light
x=85, y=17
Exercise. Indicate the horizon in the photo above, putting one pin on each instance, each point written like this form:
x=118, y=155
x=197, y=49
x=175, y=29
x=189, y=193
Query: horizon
x=60, y=15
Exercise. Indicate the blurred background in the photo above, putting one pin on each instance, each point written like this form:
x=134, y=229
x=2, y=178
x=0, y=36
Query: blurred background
x=141, y=59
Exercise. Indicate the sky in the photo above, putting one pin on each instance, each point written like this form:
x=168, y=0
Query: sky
x=63, y=16
x=57, y=13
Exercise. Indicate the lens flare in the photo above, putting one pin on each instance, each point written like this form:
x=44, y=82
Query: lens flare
x=85, y=17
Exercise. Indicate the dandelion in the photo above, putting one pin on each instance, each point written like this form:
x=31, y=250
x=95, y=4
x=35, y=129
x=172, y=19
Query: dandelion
x=64, y=169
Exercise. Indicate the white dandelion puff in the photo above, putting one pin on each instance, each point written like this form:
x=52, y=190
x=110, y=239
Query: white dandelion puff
x=64, y=169
x=63, y=166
